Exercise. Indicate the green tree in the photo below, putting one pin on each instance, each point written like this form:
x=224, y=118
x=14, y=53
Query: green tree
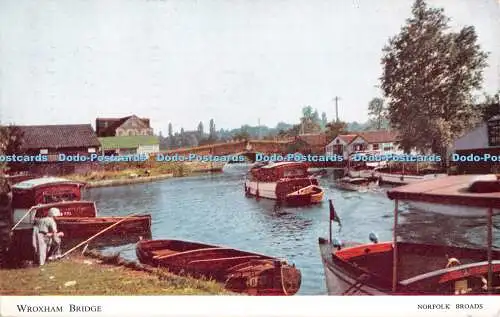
x=491, y=106
x=429, y=75
x=213, y=133
x=11, y=140
x=309, y=122
x=200, y=130
x=324, y=120
x=170, y=130
x=377, y=112
x=335, y=128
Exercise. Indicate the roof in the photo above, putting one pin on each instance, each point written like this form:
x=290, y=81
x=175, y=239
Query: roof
x=450, y=190
x=58, y=136
x=314, y=139
x=347, y=138
x=114, y=123
x=28, y=184
x=128, y=142
x=381, y=136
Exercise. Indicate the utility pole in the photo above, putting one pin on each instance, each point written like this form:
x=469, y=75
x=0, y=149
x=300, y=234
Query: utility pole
x=337, y=98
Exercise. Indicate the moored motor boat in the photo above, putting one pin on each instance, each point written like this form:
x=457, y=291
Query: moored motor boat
x=240, y=271
x=402, y=268
x=278, y=180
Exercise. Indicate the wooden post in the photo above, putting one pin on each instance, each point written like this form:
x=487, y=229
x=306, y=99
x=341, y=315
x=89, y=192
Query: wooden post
x=330, y=223
x=395, y=248
x=490, y=247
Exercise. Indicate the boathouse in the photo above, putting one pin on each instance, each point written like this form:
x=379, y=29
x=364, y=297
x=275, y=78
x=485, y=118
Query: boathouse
x=53, y=140
x=483, y=140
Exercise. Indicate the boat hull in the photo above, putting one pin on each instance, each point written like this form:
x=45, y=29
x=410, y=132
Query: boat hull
x=240, y=271
x=450, y=210
x=338, y=281
x=399, y=179
x=423, y=269
x=75, y=227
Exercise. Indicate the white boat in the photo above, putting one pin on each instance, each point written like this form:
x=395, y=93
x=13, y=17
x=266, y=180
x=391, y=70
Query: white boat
x=449, y=195
x=402, y=179
x=360, y=184
x=237, y=168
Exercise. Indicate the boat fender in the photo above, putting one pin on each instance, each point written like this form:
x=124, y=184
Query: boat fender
x=452, y=262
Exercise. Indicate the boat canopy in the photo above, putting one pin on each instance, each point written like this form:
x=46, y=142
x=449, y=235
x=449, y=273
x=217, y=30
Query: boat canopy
x=453, y=190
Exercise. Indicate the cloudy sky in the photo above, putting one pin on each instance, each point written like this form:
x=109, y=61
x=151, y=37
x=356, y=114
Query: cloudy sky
x=187, y=61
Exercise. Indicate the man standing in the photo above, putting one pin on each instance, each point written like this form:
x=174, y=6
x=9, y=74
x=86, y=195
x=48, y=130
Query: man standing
x=46, y=238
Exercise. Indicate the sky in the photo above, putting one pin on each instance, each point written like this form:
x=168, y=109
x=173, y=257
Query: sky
x=186, y=61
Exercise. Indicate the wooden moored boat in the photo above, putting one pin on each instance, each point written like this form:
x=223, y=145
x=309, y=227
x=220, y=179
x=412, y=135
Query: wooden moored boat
x=402, y=268
x=278, y=180
x=45, y=190
x=240, y=271
x=33, y=198
x=311, y=194
x=360, y=184
x=82, y=227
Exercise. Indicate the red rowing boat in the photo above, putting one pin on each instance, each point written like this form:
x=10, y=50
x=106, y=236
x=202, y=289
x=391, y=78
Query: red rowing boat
x=79, y=227
x=240, y=271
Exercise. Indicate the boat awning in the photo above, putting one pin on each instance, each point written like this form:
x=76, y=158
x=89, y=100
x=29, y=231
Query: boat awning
x=452, y=190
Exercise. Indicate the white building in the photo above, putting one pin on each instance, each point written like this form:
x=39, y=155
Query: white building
x=373, y=141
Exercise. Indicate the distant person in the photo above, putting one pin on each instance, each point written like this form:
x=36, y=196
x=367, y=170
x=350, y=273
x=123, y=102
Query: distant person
x=46, y=238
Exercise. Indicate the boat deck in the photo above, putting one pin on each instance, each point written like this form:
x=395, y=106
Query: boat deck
x=446, y=190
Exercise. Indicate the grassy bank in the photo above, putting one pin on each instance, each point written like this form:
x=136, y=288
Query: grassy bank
x=87, y=276
x=147, y=171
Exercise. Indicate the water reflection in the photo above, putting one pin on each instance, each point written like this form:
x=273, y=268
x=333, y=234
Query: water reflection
x=214, y=209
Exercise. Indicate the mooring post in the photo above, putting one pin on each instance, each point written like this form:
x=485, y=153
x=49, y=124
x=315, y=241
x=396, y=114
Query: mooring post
x=490, y=252
x=395, y=248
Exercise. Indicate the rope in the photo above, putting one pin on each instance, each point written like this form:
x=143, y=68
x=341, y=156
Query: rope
x=283, y=282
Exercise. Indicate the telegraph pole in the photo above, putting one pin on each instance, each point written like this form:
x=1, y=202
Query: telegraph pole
x=337, y=98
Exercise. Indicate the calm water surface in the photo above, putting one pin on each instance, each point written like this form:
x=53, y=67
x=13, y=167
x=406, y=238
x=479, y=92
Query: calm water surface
x=214, y=209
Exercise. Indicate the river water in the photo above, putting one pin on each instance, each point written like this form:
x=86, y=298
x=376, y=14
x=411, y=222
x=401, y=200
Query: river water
x=213, y=209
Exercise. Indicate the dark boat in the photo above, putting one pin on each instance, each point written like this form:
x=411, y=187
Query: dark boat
x=402, y=268
x=240, y=271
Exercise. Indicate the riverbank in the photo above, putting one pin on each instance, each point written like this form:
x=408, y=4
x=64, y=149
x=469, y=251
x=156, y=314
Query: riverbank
x=90, y=276
x=145, y=173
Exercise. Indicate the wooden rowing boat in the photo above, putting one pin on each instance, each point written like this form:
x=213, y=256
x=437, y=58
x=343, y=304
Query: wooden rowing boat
x=84, y=227
x=311, y=194
x=240, y=271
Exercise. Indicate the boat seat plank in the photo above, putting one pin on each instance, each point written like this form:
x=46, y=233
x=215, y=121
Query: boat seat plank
x=225, y=259
x=161, y=257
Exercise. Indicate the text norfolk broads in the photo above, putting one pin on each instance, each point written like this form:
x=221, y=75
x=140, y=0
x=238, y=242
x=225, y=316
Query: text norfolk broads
x=287, y=182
